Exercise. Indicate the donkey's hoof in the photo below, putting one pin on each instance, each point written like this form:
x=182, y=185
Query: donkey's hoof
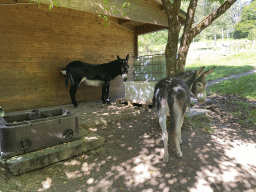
x=179, y=155
x=75, y=105
x=181, y=141
x=166, y=158
x=106, y=102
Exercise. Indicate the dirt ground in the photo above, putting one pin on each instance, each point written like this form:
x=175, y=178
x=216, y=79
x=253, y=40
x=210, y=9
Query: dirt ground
x=219, y=154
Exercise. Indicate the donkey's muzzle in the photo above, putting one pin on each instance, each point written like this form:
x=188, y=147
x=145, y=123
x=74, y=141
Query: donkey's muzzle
x=125, y=76
x=1, y=112
x=201, y=100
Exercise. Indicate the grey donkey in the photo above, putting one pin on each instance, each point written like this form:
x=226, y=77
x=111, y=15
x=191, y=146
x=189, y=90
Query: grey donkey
x=172, y=97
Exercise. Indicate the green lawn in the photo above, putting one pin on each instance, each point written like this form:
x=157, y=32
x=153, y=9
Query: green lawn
x=245, y=86
x=227, y=65
x=246, y=113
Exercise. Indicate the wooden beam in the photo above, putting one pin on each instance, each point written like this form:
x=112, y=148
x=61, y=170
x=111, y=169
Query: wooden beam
x=147, y=28
x=136, y=46
x=159, y=4
x=161, y=7
x=123, y=21
x=158, y=1
x=13, y=1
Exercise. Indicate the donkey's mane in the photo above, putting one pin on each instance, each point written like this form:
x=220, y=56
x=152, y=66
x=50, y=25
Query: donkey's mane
x=187, y=76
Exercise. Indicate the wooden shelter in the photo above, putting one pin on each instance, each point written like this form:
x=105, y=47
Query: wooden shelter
x=36, y=42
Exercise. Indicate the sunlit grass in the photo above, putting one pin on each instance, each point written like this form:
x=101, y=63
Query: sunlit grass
x=201, y=122
x=246, y=113
x=245, y=86
x=226, y=65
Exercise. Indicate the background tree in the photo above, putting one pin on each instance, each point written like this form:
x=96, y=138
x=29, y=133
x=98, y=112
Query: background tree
x=176, y=57
x=223, y=26
x=252, y=34
x=224, y=23
x=152, y=41
x=248, y=21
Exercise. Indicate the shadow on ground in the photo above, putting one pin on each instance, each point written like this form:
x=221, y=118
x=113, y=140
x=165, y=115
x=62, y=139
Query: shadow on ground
x=131, y=160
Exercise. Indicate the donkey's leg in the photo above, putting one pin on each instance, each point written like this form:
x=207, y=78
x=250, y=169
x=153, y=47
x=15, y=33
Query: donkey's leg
x=103, y=97
x=162, y=114
x=178, y=116
x=72, y=92
x=105, y=93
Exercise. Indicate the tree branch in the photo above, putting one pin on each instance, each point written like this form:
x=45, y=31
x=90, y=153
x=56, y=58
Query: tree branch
x=176, y=6
x=189, y=21
x=210, y=18
x=167, y=6
x=190, y=15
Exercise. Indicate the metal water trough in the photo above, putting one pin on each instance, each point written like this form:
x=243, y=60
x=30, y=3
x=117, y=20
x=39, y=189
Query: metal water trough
x=31, y=131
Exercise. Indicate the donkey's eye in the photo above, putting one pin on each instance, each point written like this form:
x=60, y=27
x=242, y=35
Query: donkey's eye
x=199, y=85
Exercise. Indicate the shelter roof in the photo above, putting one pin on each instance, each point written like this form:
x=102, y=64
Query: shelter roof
x=142, y=16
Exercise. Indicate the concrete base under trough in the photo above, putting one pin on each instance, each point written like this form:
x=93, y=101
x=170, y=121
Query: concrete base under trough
x=191, y=112
x=38, y=159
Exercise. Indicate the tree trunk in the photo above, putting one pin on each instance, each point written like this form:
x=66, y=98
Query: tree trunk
x=183, y=53
x=176, y=63
x=187, y=36
x=174, y=25
x=172, y=49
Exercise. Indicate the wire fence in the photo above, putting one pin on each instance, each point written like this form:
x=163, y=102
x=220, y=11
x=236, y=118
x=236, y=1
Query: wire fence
x=211, y=50
x=153, y=67
x=149, y=68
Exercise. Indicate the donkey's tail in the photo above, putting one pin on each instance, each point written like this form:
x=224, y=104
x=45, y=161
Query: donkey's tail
x=66, y=80
x=154, y=101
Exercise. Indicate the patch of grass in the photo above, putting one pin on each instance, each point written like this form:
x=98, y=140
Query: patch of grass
x=226, y=66
x=200, y=122
x=246, y=113
x=244, y=86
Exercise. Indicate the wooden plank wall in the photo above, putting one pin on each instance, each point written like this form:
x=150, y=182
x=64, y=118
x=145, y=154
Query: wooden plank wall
x=35, y=43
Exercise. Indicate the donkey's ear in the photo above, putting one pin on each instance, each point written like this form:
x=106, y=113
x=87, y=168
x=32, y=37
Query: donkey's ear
x=206, y=73
x=127, y=57
x=118, y=57
x=200, y=71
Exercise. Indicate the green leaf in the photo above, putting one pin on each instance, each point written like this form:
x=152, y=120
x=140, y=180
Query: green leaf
x=106, y=2
x=55, y=4
x=126, y=4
